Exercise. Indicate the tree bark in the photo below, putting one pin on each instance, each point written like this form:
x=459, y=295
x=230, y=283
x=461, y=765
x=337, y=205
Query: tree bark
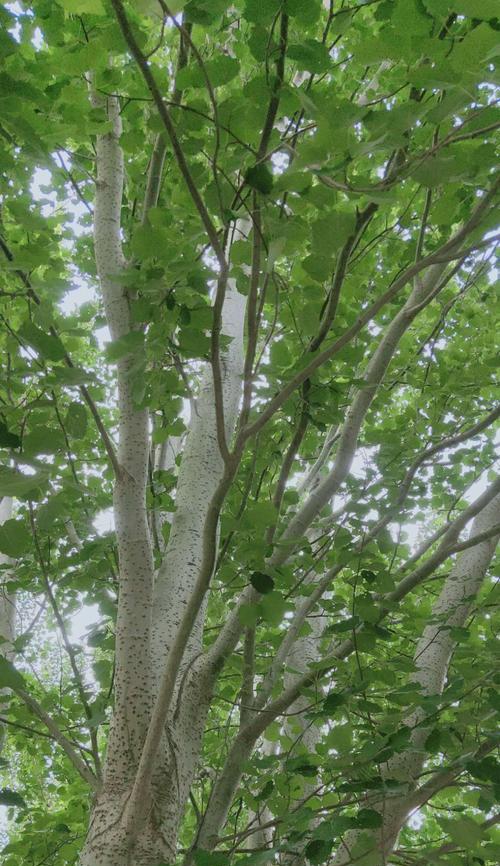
x=106, y=844
x=7, y=613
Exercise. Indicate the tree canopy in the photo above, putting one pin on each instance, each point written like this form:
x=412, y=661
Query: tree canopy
x=248, y=428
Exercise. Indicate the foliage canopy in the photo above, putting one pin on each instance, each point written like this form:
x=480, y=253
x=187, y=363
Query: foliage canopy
x=332, y=163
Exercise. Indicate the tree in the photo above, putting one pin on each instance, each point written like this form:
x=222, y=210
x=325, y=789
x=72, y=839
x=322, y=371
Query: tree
x=284, y=214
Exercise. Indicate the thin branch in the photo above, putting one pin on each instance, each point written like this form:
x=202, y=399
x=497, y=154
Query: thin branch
x=59, y=737
x=66, y=641
x=164, y=113
x=155, y=170
x=447, y=252
x=448, y=847
x=448, y=546
x=252, y=312
x=276, y=92
x=256, y=726
x=110, y=450
x=247, y=686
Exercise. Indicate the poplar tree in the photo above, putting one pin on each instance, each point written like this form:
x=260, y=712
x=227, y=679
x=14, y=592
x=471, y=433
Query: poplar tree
x=278, y=220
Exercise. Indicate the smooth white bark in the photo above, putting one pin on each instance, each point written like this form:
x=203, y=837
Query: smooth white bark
x=200, y=473
x=7, y=612
x=421, y=295
x=106, y=845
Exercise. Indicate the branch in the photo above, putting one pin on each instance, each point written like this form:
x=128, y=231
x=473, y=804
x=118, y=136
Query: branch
x=110, y=450
x=431, y=451
x=155, y=169
x=138, y=802
x=434, y=855
x=256, y=727
x=66, y=641
x=443, y=778
x=186, y=35
x=422, y=295
x=59, y=737
x=244, y=742
x=448, y=544
x=276, y=92
x=448, y=251
x=362, y=221
x=247, y=686
x=164, y=113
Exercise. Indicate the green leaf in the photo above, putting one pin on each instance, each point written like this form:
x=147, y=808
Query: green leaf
x=126, y=345
x=263, y=583
x=219, y=71
x=267, y=790
x=8, y=439
x=259, y=11
x=330, y=233
x=10, y=678
x=260, y=177
x=333, y=701
x=76, y=420
x=222, y=70
x=464, y=832
x=15, y=539
x=483, y=9
x=11, y=798
x=478, y=46
x=369, y=818
x=310, y=55
x=48, y=513
x=306, y=11
x=345, y=625
x=248, y=614
x=48, y=346
x=367, y=609
x=13, y=483
x=340, y=738
x=273, y=607
x=487, y=769
x=71, y=376
x=43, y=440
x=204, y=11
x=433, y=741
x=209, y=858
x=80, y=7
x=318, y=850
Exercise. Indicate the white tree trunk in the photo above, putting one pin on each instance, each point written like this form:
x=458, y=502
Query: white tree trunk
x=199, y=475
x=7, y=612
x=432, y=658
x=106, y=844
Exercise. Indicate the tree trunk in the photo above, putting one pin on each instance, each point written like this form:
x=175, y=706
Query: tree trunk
x=432, y=658
x=7, y=611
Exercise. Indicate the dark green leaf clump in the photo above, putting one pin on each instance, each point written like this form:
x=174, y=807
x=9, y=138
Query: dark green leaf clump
x=260, y=177
x=7, y=438
x=11, y=798
x=263, y=583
